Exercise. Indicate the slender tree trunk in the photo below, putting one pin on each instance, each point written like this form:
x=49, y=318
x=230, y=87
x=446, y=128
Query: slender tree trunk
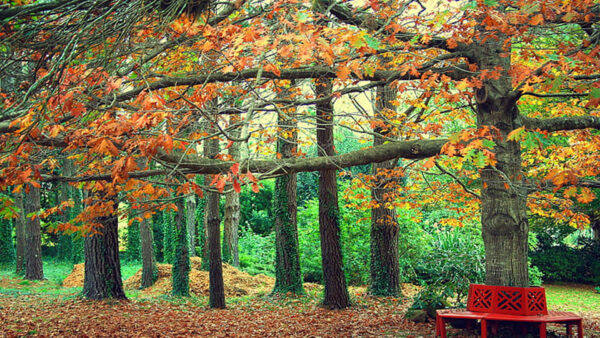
x=181, y=264
x=149, y=268
x=33, y=236
x=205, y=250
x=232, y=208
x=288, y=277
x=385, y=264
x=231, y=225
x=596, y=228
x=213, y=239
x=102, y=265
x=336, y=292
x=190, y=207
x=20, y=234
x=65, y=242
x=503, y=198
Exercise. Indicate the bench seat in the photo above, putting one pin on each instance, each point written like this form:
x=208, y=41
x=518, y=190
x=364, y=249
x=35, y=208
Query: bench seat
x=567, y=318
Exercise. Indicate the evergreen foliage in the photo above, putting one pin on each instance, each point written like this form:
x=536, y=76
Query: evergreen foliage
x=7, y=249
x=133, y=248
x=158, y=229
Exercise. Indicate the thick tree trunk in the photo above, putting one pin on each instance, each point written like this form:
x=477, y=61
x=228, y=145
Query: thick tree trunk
x=20, y=234
x=595, y=224
x=336, y=292
x=288, y=277
x=102, y=265
x=33, y=235
x=503, y=198
x=385, y=264
x=149, y=268
x=190, y=220
x=181, y=263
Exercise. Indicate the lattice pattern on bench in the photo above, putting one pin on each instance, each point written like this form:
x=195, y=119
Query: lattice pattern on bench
x=481, y=298
x=507, y=300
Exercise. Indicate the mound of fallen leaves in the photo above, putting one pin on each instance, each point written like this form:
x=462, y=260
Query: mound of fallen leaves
x=75, y=278
x=237, y=283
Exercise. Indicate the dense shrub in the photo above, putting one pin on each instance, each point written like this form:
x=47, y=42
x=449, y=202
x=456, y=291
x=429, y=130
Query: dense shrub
x=562, y=263
x=7, y=249
x=257, y=252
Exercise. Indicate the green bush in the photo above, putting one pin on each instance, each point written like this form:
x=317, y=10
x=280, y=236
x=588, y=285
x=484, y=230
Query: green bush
x=456, y=260
x=257, y=253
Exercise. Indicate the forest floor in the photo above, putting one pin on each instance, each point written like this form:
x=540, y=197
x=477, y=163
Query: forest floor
x=47, y=308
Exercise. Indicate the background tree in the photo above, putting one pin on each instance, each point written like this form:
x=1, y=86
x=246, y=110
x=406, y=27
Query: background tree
x=181, y=259
x=33, y=235
x=288, y=277
x=7, y=247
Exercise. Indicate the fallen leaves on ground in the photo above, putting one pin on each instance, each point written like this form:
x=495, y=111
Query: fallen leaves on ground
x=71, y=316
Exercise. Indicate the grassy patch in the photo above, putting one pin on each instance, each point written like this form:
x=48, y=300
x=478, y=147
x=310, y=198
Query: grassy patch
x=572, y=297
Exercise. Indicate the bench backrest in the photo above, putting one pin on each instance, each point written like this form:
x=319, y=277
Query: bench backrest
x=507, y=300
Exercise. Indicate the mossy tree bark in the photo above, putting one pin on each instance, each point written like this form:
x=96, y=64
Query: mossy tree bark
x=7, y=249
x=102, y=265
x=33, y=235
x=288, y=277
x=65, y=241
x=168, y=237
x=20, y=234
x=385, y=267
x=190, y=221
x=336, y=292
x=181, y=264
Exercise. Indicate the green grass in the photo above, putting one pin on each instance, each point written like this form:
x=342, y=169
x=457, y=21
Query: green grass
x=572, y=297
x=54, y=273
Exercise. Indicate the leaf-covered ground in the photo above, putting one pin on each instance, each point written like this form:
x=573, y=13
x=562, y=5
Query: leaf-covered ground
x=45, y=308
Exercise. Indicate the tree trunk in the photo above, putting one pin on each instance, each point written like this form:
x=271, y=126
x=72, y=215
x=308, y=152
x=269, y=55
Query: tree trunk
x=181, y=263
x=33, y=235
x=288, y=277
x=595, y=224
x=65, y=241
x=102, y=265
x=190, y=220
x=232, y=208
x=213, y=237
x=503, y=198
x=385, y=264
x=149, y=268
x=20, y=234
x=336, y=292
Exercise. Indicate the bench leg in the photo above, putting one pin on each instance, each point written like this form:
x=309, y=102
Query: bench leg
x=483, y=328
x=542, y=330
x=441, y=326
x=580, y=328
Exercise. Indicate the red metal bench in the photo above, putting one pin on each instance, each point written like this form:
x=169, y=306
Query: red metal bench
x=495, y=304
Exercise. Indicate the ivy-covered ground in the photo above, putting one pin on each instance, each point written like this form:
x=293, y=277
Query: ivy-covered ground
x=47, y=308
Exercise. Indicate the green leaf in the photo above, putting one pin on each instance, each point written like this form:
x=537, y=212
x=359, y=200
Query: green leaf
x=595, y=93
x=372, y=42
x=489, y=143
